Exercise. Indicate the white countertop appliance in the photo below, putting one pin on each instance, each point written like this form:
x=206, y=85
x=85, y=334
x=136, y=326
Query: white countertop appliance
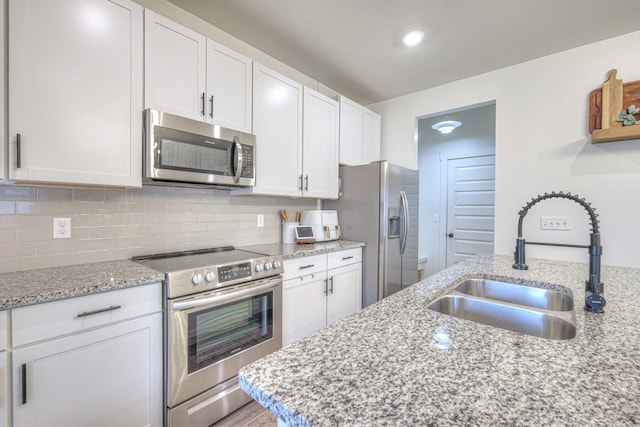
x=324, y=222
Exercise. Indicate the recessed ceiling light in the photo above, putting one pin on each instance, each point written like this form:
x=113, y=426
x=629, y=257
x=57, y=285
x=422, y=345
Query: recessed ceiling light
x=413, y=38
x=447, y=126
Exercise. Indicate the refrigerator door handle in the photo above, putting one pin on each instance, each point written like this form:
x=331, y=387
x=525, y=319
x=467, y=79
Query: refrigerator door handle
x=405, y=221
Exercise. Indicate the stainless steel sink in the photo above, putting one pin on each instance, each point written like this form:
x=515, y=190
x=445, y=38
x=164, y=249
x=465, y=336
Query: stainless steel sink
x=533, y=311
x=517, y=294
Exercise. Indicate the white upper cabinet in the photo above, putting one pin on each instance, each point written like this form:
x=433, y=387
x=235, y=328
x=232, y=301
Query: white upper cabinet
x=3, y=171
x=320, y=146
x=277, y=124
x=75, y=92
x=175, y=67
x=350, y=132
x=191, y=76
x=229, y=87
x=371, y=131
x=359, y=133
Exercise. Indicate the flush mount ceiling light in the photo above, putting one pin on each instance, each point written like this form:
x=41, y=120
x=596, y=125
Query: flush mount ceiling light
x=413, y=38
x=447, y=126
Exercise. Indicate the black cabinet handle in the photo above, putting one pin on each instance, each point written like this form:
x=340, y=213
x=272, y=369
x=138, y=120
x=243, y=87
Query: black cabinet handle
x=211, y=102
x=344, y=258
x=202, y=97
x=18, y=151
x=101, y=310
x=24, y=383
x=306, y=266
x=450, y=234
x=331, y=287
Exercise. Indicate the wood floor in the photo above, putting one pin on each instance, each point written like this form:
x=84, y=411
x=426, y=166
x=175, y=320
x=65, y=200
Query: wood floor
x=250, y=415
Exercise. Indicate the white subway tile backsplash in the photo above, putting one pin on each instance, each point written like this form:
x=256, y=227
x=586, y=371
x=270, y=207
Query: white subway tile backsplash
x=110, y=224
x=7, y=207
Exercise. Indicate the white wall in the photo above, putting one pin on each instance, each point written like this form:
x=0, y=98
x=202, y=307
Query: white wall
x=543, y=144
x=476, y=137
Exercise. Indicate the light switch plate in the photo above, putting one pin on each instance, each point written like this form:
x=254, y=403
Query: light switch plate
x=260, y=220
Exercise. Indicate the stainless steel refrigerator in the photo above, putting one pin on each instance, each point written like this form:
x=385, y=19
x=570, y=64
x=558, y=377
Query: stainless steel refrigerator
x=378, y=205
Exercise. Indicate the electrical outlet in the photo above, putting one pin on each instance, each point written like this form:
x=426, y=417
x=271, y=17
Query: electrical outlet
x=555, y=223
x=61, y=228
x=260, y=220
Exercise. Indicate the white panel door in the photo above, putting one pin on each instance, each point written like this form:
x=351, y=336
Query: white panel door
x=371, y=133
x=351, y=116
x=111, y=376
x=470, y=207
x=277, y=124
x=304, y=306
x=175, y=67
x=345, y=292
x=320, y=146
x=75, y=95
x=229, y=88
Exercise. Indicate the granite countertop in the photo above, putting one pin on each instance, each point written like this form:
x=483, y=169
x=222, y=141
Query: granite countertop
x=292, y=250
x=47, y=284
x=397, y=363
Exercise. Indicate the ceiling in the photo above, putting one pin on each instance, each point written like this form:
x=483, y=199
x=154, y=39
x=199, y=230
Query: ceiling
x=353, y=46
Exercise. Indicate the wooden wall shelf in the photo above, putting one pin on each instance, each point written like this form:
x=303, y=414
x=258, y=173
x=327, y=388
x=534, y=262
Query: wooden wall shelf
x=605, y=105
x=615, y=134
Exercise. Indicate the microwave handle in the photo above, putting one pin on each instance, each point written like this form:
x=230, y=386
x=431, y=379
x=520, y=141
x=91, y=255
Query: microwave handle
x=237, y=159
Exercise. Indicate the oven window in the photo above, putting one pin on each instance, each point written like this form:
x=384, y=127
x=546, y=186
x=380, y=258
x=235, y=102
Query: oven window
x=222, y=331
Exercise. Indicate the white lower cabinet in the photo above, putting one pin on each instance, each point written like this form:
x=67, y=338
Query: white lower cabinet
x=320, y=290
x=110, y=375
x=4, y=374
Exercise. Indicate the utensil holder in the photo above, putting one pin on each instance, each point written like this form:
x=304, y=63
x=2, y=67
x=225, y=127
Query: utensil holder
x=288, y=232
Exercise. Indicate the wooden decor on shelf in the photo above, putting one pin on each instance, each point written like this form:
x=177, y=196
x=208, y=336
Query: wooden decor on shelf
x=605, y=105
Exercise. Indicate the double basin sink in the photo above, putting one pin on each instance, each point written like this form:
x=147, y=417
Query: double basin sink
x=543, y=313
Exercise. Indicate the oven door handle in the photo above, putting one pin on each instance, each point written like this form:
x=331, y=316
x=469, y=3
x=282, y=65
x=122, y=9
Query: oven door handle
x=214, y=300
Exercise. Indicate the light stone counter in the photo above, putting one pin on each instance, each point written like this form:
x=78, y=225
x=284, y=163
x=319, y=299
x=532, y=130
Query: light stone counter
x=48, y=284
x=288, y=250
x=398, y=363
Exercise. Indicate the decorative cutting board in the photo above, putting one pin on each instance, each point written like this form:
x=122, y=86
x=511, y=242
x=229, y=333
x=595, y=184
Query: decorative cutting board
x=605, y=105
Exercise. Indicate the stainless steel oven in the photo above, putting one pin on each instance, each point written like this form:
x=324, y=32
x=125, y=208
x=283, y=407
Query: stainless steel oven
x=181, y=151
x=223, y=311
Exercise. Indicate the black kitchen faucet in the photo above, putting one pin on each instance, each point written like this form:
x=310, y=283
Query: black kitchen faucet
x=594, y=289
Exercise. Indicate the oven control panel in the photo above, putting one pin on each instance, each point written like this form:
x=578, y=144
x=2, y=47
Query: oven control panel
x=234, y=272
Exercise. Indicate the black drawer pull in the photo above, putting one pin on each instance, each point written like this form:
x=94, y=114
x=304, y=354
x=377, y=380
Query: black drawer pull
x=102, y=310
x=306, y=266
x=344, y=258
x=24, y=383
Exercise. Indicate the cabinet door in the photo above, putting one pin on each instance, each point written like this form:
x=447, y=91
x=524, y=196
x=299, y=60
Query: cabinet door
x=304, y=305
x=371, y=127
x=345, y=292
x=320, y=146
x=4, y=389
x=111, y=376
x=174, y=67
x=350, y=132
x=75, y=91
x=229, y=88
x=277, y=124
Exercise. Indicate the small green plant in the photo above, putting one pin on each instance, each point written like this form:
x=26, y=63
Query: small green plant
x=627, y=117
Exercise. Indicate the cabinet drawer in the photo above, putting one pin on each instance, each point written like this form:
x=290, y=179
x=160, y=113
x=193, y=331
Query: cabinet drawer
x=43, y=321
x=342, y=258
x=303, y=266
x=3, y=330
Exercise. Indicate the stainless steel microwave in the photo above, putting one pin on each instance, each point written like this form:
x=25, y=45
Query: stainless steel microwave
x=181, y=151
